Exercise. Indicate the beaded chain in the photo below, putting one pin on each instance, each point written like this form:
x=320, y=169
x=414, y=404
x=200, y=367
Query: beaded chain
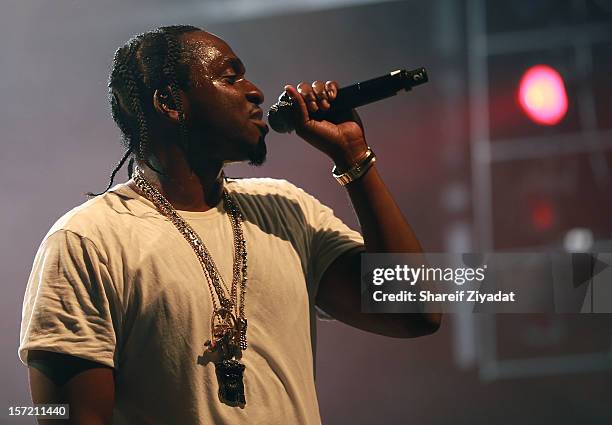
x=213, y=277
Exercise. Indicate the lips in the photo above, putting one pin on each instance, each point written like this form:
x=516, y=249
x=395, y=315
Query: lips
x=257, y=118
x=257, y=114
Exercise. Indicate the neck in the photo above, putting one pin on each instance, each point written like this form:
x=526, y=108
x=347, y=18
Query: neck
x=186, y=189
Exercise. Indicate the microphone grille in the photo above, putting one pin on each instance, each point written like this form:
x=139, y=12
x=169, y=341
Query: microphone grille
x=280, y=116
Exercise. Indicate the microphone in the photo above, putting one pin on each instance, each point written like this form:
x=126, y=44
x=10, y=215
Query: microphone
x=280, y=115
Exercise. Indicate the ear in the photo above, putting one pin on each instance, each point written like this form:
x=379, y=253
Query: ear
x=164, y=104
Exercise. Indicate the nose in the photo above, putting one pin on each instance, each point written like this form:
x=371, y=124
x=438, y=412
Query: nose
x=254, y=94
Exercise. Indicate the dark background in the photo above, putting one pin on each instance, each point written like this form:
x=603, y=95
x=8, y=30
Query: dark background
x=468, y=169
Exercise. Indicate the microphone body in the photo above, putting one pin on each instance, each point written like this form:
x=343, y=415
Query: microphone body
x=280, y=115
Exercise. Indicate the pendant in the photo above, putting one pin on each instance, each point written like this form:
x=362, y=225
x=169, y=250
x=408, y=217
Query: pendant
x=230, y=379
x=225, y=334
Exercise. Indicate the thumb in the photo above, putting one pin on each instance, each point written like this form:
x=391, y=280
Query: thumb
x=300, y=110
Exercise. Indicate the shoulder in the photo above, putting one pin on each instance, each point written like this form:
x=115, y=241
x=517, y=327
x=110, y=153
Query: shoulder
x=275, y=200
x=264, y=187
x=99, y=217
x=81, y=218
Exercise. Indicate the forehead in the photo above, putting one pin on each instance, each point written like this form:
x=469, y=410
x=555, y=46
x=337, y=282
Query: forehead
x=210, y=51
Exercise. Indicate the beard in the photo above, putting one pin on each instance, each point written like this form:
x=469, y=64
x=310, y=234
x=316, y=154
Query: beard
x=198, y=155
x=257, y=154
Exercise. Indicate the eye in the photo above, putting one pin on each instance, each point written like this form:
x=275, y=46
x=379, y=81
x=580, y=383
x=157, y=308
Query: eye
x=230, y=78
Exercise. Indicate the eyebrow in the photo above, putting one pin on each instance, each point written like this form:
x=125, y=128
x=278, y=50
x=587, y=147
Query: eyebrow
x=235, y=63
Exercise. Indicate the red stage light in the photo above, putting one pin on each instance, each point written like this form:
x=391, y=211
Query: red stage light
x=542, y=214
x=542, y=95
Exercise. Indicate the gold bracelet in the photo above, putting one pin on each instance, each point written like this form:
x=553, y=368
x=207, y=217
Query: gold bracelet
x=356, y=171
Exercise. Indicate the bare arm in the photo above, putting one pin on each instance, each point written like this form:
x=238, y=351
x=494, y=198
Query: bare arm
x=384, y=229
x=382, y=223
x=88, y=387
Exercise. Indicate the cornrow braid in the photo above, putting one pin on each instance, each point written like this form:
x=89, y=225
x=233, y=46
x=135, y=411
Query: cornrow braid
x=125, y=156
x=132, y=77
x=172, y=58
x=147, y=62
x=123, y=71
x=130, y=167
x=129, y=71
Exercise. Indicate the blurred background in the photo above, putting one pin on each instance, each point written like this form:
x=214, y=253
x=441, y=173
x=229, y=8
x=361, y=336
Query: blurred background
x=507, y=148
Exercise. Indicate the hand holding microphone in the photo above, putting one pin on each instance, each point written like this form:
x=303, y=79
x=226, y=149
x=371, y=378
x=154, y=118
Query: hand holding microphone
x=359, y=94
x=340, y=137
x=324, y=115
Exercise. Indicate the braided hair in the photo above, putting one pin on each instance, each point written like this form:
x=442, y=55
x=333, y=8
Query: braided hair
x=147, y=62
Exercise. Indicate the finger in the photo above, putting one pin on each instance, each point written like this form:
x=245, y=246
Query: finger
x=306, y=91
x=332, y=89
x=318, y=87
x=300, y=110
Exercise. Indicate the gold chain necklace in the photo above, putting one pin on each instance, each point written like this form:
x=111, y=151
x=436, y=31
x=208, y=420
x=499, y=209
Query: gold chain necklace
x=228, y=321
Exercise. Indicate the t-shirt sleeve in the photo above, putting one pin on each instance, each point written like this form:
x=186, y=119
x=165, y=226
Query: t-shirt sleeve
x=67, y=304
x=330, y=238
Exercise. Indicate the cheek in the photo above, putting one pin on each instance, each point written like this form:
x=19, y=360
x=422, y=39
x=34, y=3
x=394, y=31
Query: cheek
x=214, y=128
x=219, y=113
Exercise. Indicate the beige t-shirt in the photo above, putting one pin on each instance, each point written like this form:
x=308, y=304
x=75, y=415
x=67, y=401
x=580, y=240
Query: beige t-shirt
x=115, y=282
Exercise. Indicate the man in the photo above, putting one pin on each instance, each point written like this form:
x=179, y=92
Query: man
x=184, y=297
